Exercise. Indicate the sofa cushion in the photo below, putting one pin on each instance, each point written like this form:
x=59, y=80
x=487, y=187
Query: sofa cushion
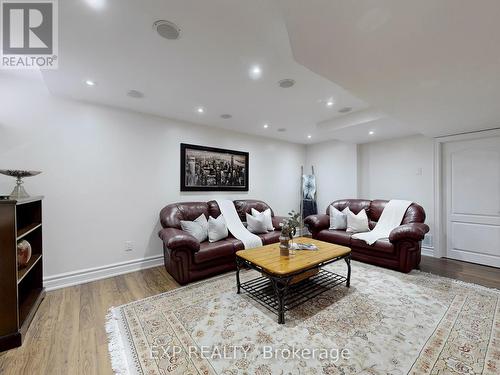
x=339, y=237
x=171, y=215
x=383, y=246
x=376, y=208
x=357, y=223
x=213, y=209
x=256, y=225
x=267, y=217
x=197, y=228
x=217, y=229
x=338, y=219
x=245, y=206
x=270, y=237
x=214, y=250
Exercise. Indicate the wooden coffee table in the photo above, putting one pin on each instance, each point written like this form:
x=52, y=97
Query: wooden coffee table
x=287, y=282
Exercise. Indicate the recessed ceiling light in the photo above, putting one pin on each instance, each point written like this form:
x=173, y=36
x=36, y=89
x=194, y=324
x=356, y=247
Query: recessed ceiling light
x=286, y=83
x=135, y=94
x=330, y=103
x=89, y=82
x=96, y=4
x=309, y=136
x=167, y=29
x=345, y=110
x=200, y=110
x=255, y=72
x=371, y=132
x=266, y=126
x=226, y=116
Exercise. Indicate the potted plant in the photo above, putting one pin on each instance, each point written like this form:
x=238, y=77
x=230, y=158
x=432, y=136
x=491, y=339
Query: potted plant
x=288, y=230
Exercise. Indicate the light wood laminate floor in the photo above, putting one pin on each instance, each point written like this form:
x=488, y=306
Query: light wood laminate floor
x=67, y=335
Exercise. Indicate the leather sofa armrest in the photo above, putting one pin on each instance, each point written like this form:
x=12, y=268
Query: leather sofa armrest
x=316, y=223
x=175, y=239
x=277, y=220
x=412, y=231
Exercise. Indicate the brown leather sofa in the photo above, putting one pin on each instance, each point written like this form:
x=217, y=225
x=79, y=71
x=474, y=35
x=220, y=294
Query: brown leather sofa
x=401, y=252
x=188, y=260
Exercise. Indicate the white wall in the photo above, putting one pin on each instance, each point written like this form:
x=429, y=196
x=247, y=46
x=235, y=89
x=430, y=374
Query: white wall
x=399, y=169
x=107, y=173
x=335, y=166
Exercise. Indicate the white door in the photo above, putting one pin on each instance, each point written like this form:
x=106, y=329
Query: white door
x=472, y=188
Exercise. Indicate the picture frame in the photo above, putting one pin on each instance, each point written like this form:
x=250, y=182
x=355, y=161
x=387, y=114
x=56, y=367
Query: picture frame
x=213, y=169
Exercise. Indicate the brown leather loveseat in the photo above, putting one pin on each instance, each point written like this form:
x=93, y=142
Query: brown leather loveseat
x=401, y=252
x=188, y=260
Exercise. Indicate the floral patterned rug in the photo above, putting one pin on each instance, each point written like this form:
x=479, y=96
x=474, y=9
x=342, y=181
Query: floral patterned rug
x=385, y=323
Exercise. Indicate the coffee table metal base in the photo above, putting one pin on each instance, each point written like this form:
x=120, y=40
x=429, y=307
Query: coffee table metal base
x=278, y=294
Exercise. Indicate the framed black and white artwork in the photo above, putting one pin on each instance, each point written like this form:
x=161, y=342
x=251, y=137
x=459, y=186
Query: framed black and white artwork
x=213, y=169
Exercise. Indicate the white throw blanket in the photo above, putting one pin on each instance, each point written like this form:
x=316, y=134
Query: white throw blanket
x=235, y=226
x=390, y=219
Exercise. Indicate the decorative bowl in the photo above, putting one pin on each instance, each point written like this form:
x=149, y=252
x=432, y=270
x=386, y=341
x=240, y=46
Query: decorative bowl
x=19, y=192
x=18, y=173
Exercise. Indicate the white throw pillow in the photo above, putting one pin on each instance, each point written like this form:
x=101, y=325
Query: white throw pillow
x=197, y=228
x=267, y=217
x=256, y=225
x=338, y=219
x=217, y=229
x=357, y=223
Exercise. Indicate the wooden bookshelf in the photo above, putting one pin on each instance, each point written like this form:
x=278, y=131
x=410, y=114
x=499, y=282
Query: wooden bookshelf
x=22, y=288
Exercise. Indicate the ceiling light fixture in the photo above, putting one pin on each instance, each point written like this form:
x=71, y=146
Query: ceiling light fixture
x=330, y=103
x=167, y=29
x=96, y=4
x=255, y=72
x=371, y=132
x=89, y=82
x=200, y=110
x=266, y=126
x=309, y=136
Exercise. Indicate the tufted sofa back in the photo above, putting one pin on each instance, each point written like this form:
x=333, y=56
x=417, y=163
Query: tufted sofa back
x=414, y=214
x=171, y=215
x=245, y=206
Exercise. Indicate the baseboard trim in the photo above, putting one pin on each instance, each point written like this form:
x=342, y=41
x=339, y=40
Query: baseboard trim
x=64, y=280
x=428, y=251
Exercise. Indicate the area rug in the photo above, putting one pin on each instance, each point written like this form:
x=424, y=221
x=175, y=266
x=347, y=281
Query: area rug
x=385, y=323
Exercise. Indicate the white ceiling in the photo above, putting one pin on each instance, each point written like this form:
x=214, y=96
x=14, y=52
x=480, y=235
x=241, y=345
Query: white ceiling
x=433, y=65
x=113, y=43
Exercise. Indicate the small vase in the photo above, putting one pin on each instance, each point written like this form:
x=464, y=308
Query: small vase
x=284, y=246
x=23, y=253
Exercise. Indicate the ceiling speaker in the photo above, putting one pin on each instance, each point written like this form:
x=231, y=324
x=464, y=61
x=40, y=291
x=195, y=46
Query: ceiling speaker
x=286, y=83
x=167, y=29
x=135, y=94
x=345, y=110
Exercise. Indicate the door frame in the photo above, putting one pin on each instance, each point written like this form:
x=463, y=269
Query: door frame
x=440, y=225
